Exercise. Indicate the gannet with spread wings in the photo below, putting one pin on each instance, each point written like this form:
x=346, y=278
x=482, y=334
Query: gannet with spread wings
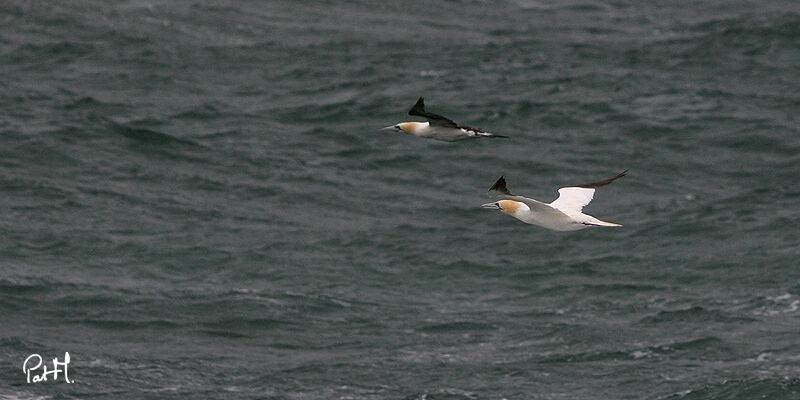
x=563, y=214
x=437, y=127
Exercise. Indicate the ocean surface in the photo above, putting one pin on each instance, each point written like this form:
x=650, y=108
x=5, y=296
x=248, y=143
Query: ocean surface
x=196, y=201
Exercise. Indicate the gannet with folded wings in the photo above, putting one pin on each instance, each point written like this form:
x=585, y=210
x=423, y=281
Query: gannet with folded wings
x=563, y=214
x=437, y=127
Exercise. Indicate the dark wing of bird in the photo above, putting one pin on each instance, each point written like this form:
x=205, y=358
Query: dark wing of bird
x=434, y=119
x=604, y=182
x=499, y=187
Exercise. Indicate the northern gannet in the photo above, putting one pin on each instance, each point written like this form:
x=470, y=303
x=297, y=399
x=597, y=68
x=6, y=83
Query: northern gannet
x=437, y=127
x=563, y=214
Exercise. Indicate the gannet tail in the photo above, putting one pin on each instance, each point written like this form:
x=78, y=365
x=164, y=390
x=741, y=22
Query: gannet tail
x=597, y=222
x=491, y=135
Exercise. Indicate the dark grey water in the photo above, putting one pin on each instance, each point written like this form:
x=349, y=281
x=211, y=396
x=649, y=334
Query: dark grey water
x=196, y=201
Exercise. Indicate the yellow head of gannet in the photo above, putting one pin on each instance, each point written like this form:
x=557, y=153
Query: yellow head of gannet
x=406, y=127
x=510, y=207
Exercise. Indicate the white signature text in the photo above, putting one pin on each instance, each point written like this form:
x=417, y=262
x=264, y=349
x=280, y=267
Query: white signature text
x=31, y=368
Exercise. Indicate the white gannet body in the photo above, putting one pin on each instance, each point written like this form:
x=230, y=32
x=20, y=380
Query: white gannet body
x=437, y=127
x=563, y=214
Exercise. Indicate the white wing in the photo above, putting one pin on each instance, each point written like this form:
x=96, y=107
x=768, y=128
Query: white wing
x=573, y=199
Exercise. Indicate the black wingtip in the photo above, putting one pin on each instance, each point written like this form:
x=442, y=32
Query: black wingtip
x=620, y=175
x=419, y=107
x=604, y=182
x=500, y=186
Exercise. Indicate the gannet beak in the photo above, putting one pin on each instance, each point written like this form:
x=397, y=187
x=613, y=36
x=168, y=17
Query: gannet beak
x=493, y=206
x=389, y=128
